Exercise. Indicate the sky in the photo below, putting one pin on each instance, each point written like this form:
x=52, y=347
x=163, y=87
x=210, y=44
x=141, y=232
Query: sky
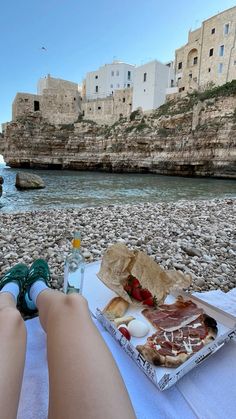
x=78, y=36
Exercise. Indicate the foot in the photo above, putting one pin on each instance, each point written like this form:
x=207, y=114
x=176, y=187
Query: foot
x=38, y=272
x=18, y=275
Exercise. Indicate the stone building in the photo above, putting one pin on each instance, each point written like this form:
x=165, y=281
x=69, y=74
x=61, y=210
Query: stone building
x=110, y=109
x=58, y=101
x=209, y=57
x=109, y=78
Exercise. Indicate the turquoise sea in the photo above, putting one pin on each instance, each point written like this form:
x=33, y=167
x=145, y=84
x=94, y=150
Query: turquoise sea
x=66, y=189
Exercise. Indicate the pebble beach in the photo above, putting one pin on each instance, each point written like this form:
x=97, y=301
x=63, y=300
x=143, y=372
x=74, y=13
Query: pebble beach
x=196, y=237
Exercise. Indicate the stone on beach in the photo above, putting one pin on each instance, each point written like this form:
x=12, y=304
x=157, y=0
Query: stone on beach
x=161, y=230
x=28, y=181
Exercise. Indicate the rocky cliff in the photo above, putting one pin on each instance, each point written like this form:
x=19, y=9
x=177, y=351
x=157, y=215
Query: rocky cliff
x=195, y=136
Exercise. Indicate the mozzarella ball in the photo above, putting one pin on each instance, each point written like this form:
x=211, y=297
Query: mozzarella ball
x=137, y=328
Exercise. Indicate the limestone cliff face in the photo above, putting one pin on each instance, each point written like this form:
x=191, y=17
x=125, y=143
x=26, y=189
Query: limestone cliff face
x=188, y=138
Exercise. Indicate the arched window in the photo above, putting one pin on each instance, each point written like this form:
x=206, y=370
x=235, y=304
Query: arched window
x=192, y=57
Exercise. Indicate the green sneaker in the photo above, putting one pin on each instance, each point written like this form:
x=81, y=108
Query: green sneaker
x=16, y=274
x=39, y=270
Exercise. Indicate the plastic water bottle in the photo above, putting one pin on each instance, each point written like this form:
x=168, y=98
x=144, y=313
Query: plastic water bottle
x=74, y=268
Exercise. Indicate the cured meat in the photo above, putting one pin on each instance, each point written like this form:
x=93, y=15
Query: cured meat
x=171, y=317
x=182, y=330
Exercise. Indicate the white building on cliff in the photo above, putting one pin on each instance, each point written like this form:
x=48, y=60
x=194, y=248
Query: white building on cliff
x=150, y=83
x=108, y=78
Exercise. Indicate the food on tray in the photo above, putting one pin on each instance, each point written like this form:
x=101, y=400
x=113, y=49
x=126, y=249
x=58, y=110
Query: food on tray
x=116, y=308
x=119, y=264
x=135, y=291
x=123, y=329
x=123, y=320
x=138, y=329
x=182, y=329
x=171, y=317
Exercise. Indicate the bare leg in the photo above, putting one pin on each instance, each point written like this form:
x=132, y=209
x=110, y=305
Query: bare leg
x=12, y=356
x=84, y=381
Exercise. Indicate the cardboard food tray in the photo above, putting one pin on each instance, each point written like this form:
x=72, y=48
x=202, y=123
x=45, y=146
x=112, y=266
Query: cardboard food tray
x=99, y=295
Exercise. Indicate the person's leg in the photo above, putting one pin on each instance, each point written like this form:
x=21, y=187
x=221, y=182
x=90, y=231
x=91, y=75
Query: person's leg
x=12, y=355
x=84, y=381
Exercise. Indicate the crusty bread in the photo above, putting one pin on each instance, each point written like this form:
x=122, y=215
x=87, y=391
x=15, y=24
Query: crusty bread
x=116, y=308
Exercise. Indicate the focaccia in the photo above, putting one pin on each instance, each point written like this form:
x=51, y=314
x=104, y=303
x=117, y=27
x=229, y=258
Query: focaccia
x=116, y=308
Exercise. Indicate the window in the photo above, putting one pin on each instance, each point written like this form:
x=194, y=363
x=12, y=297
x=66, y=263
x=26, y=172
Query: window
x=190, y=76
x=123, y=99
x=211, y=52
x=129, y=75
x=221, y=51
x=220, y=68
x=128, y=85
x=112, y=73
x=144, y=90
x=213, y=31
x=209, y=70
x=36, y=105
x=195, y=61
x=226, y=29
x=74, y=98
x=26, y=100
x=96, y=89
x=111, y=86
x=172, y=83
x=96, y=77
x=180, y=65
x=117, y=73
x=99, y=108
x=181, y=89
x=234, y=62
x=145, y=77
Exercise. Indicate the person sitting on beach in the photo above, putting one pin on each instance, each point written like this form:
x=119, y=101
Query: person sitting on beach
x=84, y=381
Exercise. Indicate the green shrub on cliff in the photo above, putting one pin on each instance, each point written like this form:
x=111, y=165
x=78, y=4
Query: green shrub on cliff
x=185, y=104
x=226, y=89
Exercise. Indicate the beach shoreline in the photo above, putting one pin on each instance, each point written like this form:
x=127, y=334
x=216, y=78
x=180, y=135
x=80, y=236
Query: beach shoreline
x=195, y=237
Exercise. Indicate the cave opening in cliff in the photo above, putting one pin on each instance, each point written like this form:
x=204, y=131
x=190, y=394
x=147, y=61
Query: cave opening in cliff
x=55, y=166
x=25, y=165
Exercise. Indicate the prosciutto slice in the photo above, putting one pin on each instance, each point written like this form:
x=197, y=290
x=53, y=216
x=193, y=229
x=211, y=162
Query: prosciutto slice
x=188, y=339
x=171, y=317
x=182, y=329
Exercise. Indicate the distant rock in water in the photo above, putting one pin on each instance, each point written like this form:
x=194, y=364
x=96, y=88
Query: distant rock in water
x=1, y=182
x=29, y=181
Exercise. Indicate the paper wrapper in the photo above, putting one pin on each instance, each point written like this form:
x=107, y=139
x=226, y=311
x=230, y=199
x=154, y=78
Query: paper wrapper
x=119, y=262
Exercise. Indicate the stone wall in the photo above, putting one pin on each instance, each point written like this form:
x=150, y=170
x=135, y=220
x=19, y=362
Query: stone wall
x=110, y=109
x=24, y=103
x=185, y=138
x=58, y=107
x=59, y=101
x=201, y=57
x=55, y=84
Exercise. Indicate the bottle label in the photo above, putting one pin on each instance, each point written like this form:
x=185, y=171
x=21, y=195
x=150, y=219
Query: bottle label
x=76, y=243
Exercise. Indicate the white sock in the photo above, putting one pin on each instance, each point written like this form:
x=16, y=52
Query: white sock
x=12, y=288
x=36, y=288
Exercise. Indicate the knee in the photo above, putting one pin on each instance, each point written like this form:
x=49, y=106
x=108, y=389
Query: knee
x=75, y=301
x=67, y=305
x=11, y=322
